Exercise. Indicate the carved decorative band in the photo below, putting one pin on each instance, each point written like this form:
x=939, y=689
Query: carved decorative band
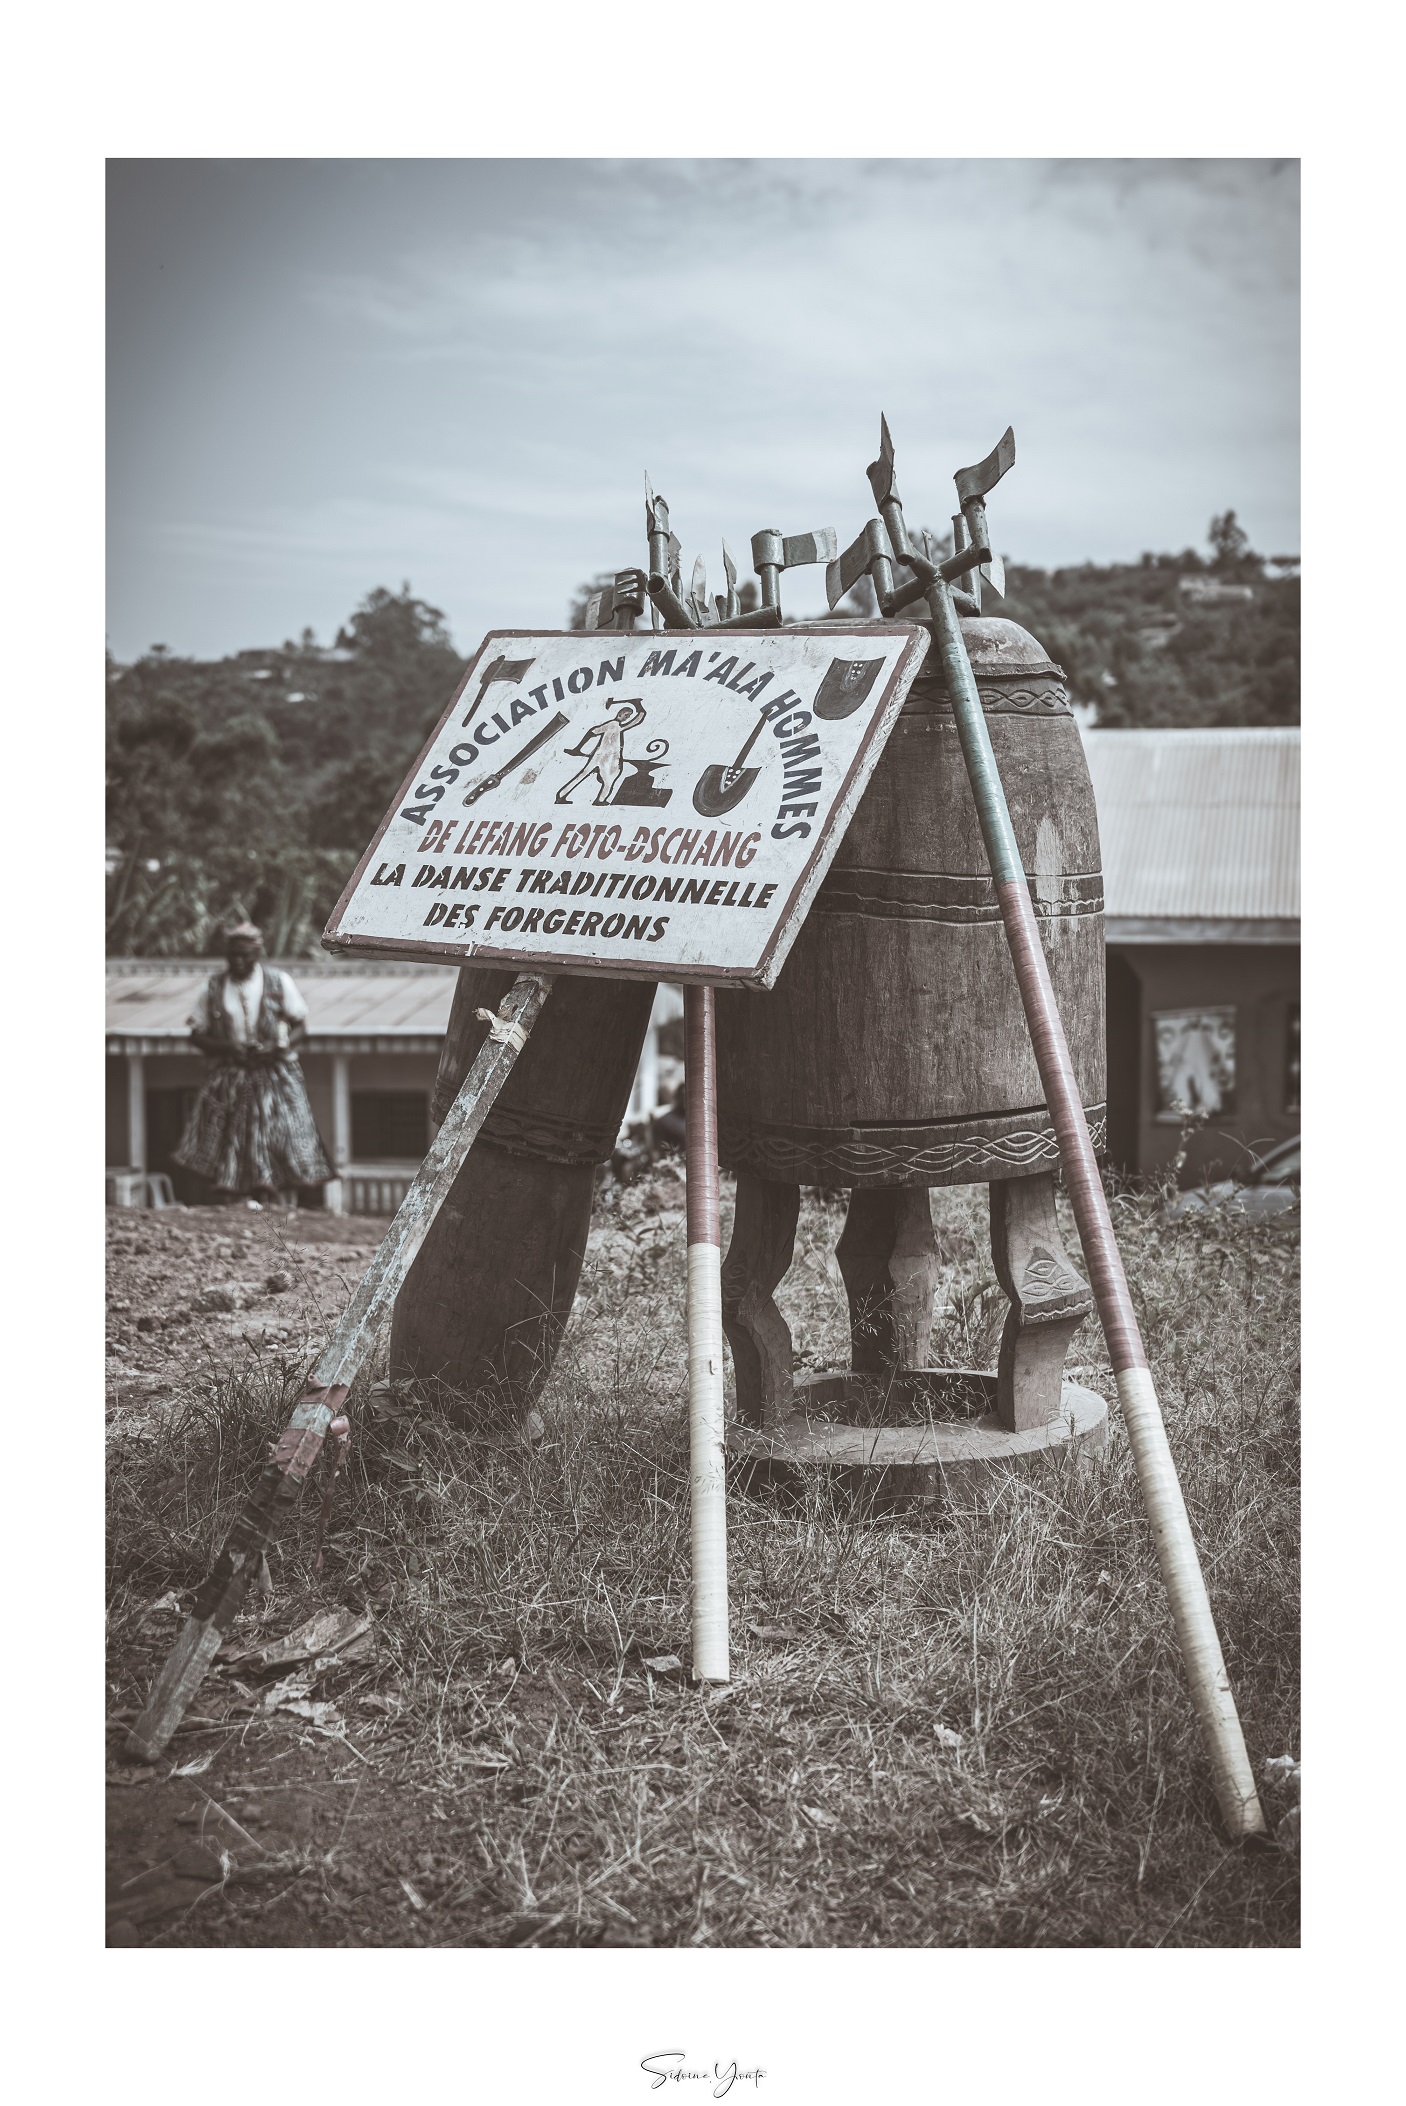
x=1042, y=698
x=878, y=1155
x=552, y=1140
x=920, y=895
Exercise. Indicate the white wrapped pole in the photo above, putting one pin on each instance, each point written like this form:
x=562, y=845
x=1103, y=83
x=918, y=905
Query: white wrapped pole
x=707, y=1435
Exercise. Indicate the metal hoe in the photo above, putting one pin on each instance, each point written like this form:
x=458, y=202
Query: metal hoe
x=1171, y=1530
x=322, y=1406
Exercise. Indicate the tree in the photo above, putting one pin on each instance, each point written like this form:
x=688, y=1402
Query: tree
x=250, y=785
x=1230, y=542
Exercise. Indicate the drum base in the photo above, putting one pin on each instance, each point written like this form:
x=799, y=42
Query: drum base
x=920, y=1432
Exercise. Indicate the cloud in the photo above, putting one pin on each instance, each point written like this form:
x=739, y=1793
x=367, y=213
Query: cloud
x=458, y=371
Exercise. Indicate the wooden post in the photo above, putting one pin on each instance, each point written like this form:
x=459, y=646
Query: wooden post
x=337, y=1189
x=136, y=1114
x=707, y=1433
x=324, y=1397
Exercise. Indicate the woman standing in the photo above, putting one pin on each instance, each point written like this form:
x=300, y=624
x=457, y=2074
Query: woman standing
x=251, y=1131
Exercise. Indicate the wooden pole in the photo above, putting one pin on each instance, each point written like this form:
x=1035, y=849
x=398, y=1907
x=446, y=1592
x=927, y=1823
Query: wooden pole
x=1171, y=1530
x=136, y=1117
x=323, y=1400
x=707, y=1433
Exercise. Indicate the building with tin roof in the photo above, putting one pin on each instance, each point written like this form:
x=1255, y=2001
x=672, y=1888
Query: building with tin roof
x=1200, y=851
x=369, y=1058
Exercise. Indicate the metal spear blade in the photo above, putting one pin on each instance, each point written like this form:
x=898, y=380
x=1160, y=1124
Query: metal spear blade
x=881, y=472
x=729, y=568
x=976, y=481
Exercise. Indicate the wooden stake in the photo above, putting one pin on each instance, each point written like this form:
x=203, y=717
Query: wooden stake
x=218, y=1601
x=707, y=1433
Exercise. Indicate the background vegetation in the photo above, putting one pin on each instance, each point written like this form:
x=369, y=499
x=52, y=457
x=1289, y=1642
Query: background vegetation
x=251, y=784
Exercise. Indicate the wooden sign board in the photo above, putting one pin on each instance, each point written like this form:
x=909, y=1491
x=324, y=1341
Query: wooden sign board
x=658, y=806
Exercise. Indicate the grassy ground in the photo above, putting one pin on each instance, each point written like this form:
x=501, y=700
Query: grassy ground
x=955, y=1727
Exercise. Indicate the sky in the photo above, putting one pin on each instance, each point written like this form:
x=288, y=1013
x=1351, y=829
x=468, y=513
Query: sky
x=325, y=376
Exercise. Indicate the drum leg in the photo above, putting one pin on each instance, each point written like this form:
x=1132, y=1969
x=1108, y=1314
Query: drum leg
x=888, y=1260
x=763, y=1238
x=1048, y=1300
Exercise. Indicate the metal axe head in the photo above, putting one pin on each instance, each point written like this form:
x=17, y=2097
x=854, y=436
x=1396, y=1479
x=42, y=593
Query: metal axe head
x=798, y=549
x=845, y=572
x=975, y=482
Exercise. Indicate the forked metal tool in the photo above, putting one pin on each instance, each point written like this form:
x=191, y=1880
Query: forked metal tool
x=1171, y=1529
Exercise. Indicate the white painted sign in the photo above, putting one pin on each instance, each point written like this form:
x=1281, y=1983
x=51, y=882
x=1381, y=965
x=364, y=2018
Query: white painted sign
x=661, y=806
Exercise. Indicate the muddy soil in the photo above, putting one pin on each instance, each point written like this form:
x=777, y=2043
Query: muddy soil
x=188, y=1286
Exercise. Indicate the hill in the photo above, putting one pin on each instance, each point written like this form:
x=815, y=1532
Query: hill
x=1162, y=642
x=249, y=785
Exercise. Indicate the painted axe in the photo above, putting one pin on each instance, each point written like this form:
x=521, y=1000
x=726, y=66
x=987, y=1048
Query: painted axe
x=510, y=669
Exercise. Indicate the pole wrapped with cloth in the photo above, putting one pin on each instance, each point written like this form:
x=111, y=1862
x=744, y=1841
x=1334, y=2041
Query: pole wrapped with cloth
x=707, y=1431
x=1171, y=1530
x=320, y=1411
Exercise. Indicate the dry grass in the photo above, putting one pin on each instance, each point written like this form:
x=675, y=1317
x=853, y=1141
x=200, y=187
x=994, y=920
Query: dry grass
x=962, y=1727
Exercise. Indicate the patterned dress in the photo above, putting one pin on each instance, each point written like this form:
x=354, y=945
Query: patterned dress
x=252, y=1129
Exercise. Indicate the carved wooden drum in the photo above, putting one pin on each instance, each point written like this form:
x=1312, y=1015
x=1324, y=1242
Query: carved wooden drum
x=894, y=1049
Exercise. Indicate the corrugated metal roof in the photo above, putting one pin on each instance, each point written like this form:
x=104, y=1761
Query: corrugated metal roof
x=1198, y=825
x=152, y=998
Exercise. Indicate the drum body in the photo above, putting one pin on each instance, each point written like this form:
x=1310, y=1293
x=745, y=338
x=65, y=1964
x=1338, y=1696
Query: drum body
x=893, y=1049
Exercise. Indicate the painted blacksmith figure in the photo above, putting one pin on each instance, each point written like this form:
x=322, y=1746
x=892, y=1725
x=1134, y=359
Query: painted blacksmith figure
x=251, y=1131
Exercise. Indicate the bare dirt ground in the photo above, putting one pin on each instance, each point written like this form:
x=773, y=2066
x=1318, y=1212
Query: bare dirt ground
x=955, y=1727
